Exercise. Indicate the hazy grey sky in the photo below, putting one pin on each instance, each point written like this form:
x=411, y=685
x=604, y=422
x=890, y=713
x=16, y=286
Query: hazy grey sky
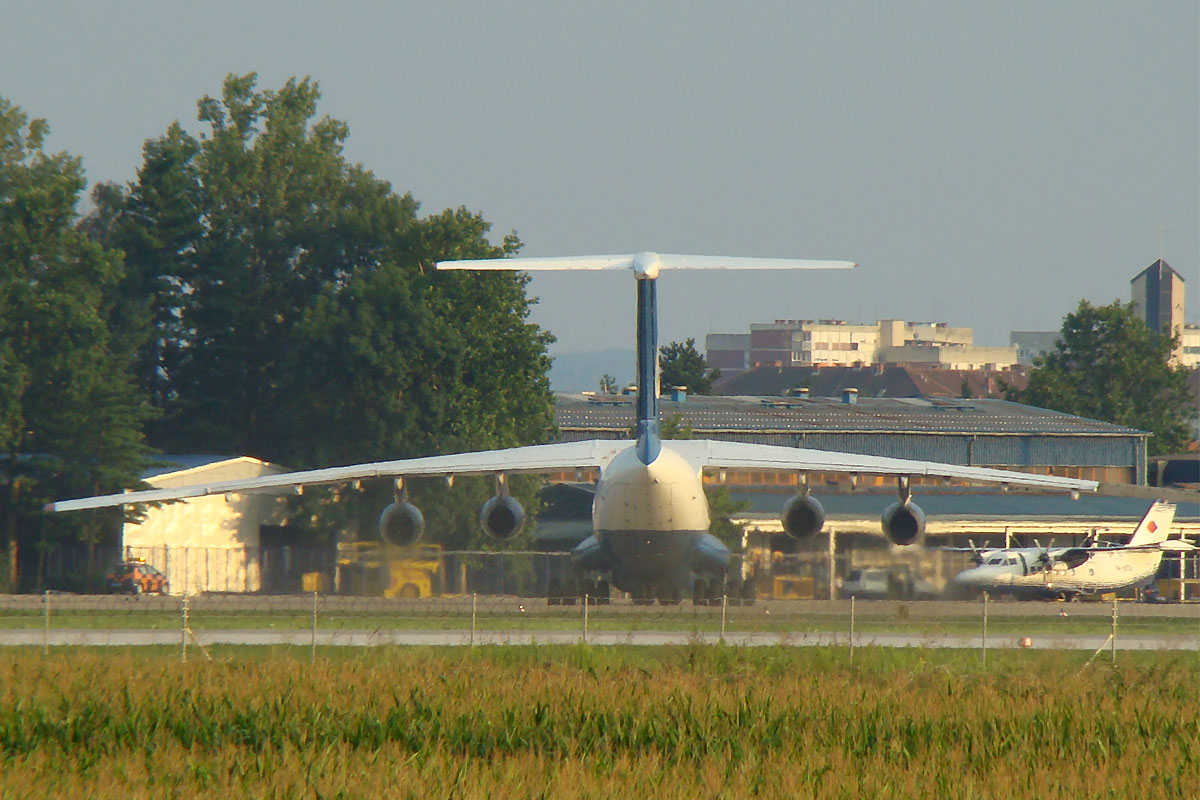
x=987, y=164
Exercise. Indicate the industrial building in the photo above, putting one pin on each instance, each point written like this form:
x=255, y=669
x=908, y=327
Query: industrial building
x=986, y=433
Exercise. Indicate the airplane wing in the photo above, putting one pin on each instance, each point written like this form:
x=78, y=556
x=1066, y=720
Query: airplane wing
x=738, y=455
x=517, y=460
x=642, y=263
x=584, y=455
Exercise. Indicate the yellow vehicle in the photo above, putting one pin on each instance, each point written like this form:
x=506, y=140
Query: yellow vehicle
x=369, y=568
x=418, y=576
x=793, y=587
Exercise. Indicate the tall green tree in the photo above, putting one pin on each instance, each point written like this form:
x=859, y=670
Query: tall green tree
x=1108, y=365
x=71, y=414
x=297, y=316
x=680, y=364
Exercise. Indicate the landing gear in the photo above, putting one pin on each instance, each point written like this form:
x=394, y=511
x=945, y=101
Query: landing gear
x=602, y=592
x=668, y=593
x=561, y=592
x=749, y=592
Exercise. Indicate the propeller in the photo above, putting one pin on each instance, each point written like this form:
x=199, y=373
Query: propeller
x=1044, y=555
x=976, y=556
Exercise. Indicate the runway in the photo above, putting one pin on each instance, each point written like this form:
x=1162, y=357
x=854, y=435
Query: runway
x=460, y=638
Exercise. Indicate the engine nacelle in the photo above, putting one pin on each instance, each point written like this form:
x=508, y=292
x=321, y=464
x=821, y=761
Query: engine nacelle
x=502, y=517
x=904, y=523
x=401, y=524
x=802, y=516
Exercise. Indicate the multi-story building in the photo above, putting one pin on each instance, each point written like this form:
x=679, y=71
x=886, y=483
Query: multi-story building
x=1158, y=294
x=1031, y=344
x=1189, y=346
x=829, y=342
x=728, y=352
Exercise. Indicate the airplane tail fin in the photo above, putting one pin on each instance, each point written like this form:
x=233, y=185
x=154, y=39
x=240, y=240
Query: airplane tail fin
x=1155, y=526
x=645, y=267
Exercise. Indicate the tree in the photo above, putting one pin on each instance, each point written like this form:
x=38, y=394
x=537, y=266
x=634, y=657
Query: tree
x=608, y=384
x=680, y=364
x=1108, y=365
x=297, y=316
x=71, y=415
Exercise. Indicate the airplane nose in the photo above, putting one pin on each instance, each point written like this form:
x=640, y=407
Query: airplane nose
x=968, y=577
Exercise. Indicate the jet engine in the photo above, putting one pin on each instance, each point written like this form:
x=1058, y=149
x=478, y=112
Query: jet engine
x=502, y=517
x=904, y=523
x=802, y=516
x=401, y=524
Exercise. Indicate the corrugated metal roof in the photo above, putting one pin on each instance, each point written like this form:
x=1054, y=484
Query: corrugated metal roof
x=831, y=415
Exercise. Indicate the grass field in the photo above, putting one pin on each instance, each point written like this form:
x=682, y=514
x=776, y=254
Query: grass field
x=684, y=722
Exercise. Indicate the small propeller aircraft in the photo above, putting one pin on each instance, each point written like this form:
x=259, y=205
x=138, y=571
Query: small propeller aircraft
x=650, y=514
x=1065, y=572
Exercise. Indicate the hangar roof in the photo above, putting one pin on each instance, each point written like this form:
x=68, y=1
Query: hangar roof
x=173, y=467
x=973, y=503
x=868, y=414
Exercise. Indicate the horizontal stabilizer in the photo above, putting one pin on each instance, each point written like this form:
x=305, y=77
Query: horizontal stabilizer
x=643, y=264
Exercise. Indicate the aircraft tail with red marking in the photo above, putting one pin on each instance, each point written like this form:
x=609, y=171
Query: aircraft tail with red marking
x=1155, y=526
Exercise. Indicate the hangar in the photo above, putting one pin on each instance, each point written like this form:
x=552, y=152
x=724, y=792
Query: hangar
x=206, y=544
x=974, y=432
x=984, y=433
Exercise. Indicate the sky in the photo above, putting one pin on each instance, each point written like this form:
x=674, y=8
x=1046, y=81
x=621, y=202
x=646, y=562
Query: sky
x=987, y=165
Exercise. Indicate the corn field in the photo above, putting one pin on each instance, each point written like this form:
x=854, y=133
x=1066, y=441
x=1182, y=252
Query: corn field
x=567, y=722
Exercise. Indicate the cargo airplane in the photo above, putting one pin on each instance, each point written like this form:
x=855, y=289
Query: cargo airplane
x=650, y=515
x=1065, y=572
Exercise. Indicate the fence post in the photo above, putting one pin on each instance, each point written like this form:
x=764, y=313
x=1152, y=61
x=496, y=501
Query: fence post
x=724, y=605
x=314, y=630
x=183, y=633
x=983, y=649
x=832, y=564
x=474, y=598
x=585, y=616
x=46, y=628
x=1114, y=630
x=851, y=629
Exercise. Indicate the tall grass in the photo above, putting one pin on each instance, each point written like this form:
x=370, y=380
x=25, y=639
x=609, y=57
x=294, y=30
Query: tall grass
x=580, y=722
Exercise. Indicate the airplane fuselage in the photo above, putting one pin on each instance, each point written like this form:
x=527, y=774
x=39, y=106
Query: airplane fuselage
x=651, y=525
x=1019, y=572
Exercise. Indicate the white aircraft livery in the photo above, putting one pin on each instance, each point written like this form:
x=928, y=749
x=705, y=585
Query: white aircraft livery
x=650, y=516
x=1070, y=571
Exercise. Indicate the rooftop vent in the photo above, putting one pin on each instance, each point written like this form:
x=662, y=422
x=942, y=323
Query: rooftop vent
x=850, y=396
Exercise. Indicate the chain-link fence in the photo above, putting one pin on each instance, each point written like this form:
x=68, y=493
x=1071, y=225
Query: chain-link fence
x=364, y=569
x=316, y=620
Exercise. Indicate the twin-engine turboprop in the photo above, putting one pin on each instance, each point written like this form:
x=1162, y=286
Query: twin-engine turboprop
x=1064, y=572
x=650, y=515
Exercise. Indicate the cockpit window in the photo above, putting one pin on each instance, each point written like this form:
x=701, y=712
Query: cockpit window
x=996, y=560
